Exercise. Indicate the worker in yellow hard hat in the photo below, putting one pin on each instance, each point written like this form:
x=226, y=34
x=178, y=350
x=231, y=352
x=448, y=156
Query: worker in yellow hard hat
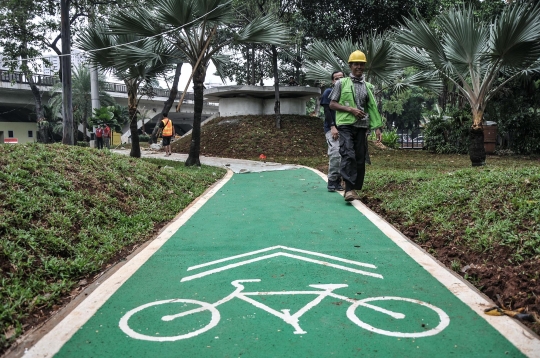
x=356, y=112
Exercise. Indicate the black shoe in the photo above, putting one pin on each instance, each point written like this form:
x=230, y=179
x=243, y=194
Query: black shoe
x=338, y=186
x=332, y=186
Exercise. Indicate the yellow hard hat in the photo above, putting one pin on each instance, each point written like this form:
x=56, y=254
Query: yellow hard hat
x=357, y=56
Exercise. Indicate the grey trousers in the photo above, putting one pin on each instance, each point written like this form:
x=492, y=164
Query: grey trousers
x=334, y=158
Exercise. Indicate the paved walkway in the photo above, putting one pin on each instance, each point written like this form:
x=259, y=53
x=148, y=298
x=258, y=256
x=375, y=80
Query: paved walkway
x=269, y=264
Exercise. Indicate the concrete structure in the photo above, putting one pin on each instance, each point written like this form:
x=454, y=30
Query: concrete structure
x=17, y=104
x=18, y=132
x=244, y=100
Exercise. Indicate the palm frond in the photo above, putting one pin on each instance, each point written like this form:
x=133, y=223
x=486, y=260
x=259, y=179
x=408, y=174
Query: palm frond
x=515, y=35
x=316, y=72
x=220, y=61
x=214, y=11
x=324, y=52
x=343, y=49
x=139, y=20
x=464, y=39
x=418, y=33
x=264, y=30
x=379, y=54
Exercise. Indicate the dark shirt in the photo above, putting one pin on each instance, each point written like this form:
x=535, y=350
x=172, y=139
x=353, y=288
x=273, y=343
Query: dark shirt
x=329, y=114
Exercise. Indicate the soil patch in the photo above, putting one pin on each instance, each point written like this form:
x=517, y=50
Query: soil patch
x=510, y=285
x=247, y=137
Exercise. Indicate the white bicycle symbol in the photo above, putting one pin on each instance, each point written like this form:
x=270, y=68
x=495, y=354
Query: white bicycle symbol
x=325, y=290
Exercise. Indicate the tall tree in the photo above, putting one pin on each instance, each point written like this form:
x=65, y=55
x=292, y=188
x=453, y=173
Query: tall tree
x=20, y=39
x=198, y=29
x=173, y=93
x=473, y=54
x=136, y=61
x=325, y=57
x=342, y=19
x=82, y=97
x=30, y=27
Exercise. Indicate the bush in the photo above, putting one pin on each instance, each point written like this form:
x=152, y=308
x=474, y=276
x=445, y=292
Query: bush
x=448, y=135
x=144, y=138
x=388, y=138
x=83, y=144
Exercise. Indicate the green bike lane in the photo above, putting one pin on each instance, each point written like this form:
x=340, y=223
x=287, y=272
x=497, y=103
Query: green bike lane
x=274, y=265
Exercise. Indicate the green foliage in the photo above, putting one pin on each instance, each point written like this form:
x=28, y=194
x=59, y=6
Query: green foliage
x=516, y=110
x=448, y=134
x=66, y=212
x=349, y=18
x=472, y=53
x=388, y=137
x=144, y=138
x=480, y=209
x=405, y=109
x=114, y=116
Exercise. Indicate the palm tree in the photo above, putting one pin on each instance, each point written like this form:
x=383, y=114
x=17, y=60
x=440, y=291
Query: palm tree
x=199, y=30
x=136, y=61
x=478, y=58
x=81, y=94
x=327, y=57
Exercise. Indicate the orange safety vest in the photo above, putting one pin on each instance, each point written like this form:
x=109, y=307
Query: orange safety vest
x=167, y=129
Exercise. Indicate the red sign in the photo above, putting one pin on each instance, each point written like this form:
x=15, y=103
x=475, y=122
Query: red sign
x=11, y=140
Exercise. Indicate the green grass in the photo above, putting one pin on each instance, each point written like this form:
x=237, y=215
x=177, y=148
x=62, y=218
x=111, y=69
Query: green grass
x=67, y=212
x=498, y=204
x=481, y=208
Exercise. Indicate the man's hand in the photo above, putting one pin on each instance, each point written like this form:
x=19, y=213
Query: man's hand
x=335, y=133
x=357, y=112
x=378, y=134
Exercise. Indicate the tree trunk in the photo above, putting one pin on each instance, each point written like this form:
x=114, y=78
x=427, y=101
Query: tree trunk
x=253, y=78
x=477, y=152
x=248, y=67
x=170, y=101
x=67, y=107
x=42, y=123
x=85, y=124
x=198, y=89
x=277, y=109
x=132, y=87
x=317, y=106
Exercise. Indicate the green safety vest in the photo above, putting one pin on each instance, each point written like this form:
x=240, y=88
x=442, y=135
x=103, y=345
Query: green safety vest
x=347, y=95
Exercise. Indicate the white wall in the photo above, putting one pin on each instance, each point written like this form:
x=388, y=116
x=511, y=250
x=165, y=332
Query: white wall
x=20, y=131
x=286, y=105
x=240, y=106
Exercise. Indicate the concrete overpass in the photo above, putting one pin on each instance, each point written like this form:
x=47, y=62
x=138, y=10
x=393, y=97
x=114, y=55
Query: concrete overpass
x=17, y=102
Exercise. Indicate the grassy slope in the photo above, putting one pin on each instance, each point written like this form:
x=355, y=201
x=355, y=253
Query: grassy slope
x=488, y=216
x=66, y=213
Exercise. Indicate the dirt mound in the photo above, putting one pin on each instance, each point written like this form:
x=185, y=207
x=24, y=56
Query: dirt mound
x=247, y=137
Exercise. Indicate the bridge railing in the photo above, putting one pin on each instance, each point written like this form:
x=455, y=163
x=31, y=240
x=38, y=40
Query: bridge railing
x=44, y=80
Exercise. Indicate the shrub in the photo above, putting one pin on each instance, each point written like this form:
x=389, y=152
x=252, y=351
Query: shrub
x=144, y=138
x=447, y=135
x=389, y=138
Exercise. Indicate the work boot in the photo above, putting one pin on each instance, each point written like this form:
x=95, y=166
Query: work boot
x=351, y=195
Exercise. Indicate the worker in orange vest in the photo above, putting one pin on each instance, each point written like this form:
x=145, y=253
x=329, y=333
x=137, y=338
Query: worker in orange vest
x=167, y=132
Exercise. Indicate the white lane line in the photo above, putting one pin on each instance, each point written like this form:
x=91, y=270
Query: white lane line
x=276, y=254
x=51, y=343
x=284, y=248
x=508, y=327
